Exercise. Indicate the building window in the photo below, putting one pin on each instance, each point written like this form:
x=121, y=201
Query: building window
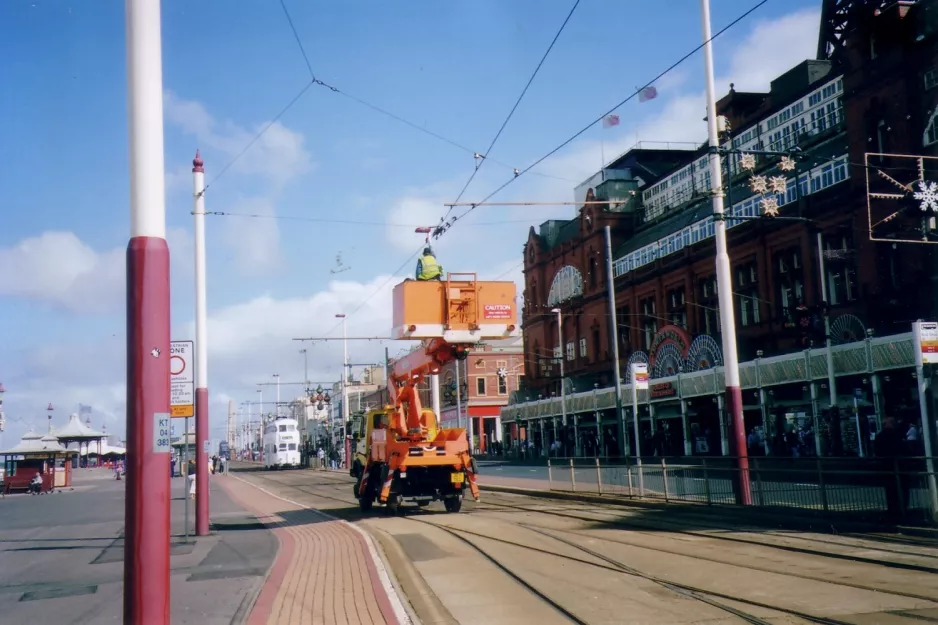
x=503, y=385
x=623, y=327
x=747, y=293
x=677, y=308
x=649, y=321
x=709, y=306
x=593, y=273
x=480, y=364
x=597, y=343
x=931, y=130
x=789, y=281
x=931, y=79
x=480, y=386
x=567, y=284
x=571, y=351
x=582, y=348
x=840, y=269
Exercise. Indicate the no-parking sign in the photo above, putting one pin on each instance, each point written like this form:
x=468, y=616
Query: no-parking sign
x=182, y=393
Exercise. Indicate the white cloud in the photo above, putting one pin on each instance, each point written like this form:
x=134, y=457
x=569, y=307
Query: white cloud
x=769, y=49
x=279, y=155
x=248, y=342
x=56, y=268
x=254, y=241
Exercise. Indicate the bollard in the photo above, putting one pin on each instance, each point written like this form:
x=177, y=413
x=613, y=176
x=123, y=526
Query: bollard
x=599, y=478
x=664, y=477
x=550, y=479
x=572, y=475
x=628, y=471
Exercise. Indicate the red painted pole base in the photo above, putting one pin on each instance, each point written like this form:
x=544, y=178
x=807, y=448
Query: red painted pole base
x=146, y=511
x=202, y=456
x=734, y=405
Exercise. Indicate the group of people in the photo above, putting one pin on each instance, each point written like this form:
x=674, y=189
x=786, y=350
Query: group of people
x=334, y=457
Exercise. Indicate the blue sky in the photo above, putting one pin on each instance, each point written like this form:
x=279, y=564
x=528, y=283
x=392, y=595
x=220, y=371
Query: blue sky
x=229, y=66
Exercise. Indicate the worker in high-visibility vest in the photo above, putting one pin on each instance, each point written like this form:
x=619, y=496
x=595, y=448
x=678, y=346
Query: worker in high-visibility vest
x=427, y=267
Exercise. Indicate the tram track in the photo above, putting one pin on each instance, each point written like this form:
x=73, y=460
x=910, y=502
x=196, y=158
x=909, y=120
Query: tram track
x=642, y=528
x=715, y=599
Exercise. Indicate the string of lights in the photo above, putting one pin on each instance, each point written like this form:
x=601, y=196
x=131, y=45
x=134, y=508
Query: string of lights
x=599, y=119
x=484, y=155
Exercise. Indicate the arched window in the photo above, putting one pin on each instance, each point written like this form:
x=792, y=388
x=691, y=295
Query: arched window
x=567, y=284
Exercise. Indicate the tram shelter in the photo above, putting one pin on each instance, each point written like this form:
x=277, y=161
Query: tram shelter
x=37, y=453
x=77, y=432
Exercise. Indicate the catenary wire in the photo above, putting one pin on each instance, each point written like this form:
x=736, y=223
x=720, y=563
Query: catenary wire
x=580, y=132
x=350, y=221
x=515, y=107
x=260, y=134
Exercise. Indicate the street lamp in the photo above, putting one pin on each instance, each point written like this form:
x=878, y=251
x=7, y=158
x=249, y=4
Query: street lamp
x=277, y=376
x=724, y=280
x=345, y=411
x=563, y=395
x=305, y=369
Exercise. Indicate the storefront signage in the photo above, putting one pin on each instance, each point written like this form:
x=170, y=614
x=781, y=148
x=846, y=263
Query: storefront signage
x=672, y=335
x=665, y=389
x=926, y=341
x=639, y=375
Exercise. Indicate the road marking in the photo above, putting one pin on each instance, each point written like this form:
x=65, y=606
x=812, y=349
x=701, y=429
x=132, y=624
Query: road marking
x=396, y=605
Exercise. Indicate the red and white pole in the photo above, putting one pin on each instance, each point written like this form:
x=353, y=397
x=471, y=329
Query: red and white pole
x=147, y=507
x=734, y=395
x=201, y=353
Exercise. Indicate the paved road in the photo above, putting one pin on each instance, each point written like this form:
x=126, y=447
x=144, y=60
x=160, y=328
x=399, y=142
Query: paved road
x=513, y=559
x=62, y=557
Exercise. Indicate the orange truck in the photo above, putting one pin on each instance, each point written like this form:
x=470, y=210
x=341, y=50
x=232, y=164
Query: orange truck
x=403, y=455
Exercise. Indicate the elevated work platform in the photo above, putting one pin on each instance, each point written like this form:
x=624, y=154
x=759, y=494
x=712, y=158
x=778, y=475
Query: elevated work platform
x=458, y=310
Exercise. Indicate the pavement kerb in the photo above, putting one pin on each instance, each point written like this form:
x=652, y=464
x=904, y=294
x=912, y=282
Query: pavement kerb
x=380, y=574
x=753, y=516
x=420, y=596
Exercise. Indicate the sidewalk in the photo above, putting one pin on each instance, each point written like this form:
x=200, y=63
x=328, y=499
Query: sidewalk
x=326, y=571
x=63, y=556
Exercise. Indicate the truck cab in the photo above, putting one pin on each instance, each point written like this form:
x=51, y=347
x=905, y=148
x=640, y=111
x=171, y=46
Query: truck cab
x=362, y=425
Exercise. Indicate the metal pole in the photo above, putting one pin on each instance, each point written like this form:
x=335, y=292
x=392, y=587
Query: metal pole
x=277, y=407
x=926, y=420
x=435, y=394
x=614, y=338
x=563, y=395
x=831, y=378
x=734, y=397
x=459, y=400
x=638, y=440
x=260, y=414
x=345, y=382
x=201, y=352
x=305, y=369
x=147, y=505
x=185, y=476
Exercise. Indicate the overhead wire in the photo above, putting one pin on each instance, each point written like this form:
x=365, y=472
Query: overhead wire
x=580, y=132
x=515, y=107
x=349, y=221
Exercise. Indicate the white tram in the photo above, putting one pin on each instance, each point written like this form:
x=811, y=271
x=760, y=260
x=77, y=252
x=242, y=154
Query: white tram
x=281, y=444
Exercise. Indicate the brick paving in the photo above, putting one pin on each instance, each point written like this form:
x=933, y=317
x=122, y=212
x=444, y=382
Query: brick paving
x=324, y=572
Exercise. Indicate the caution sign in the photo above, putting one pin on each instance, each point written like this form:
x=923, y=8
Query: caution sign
x=182, y=387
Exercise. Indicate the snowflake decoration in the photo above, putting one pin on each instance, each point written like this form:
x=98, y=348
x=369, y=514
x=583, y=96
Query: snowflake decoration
x=758, y=184
x=769, y=206
x=778, y=184
x=502, y=372
x=786, y=164
x=927, y=195
x=747, y=161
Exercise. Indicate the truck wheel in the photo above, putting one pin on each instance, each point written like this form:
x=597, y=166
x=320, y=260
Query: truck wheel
x=365, y=502
x=394, y=504
x=453, y=504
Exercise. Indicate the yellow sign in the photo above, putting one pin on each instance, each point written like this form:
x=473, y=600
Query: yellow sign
x=178, y=412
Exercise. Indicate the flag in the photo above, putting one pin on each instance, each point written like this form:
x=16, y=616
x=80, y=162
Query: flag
x=646, y=94
x=610, y=120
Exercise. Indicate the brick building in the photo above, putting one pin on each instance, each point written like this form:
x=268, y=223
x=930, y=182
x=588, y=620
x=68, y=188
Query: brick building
x=871, y=90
